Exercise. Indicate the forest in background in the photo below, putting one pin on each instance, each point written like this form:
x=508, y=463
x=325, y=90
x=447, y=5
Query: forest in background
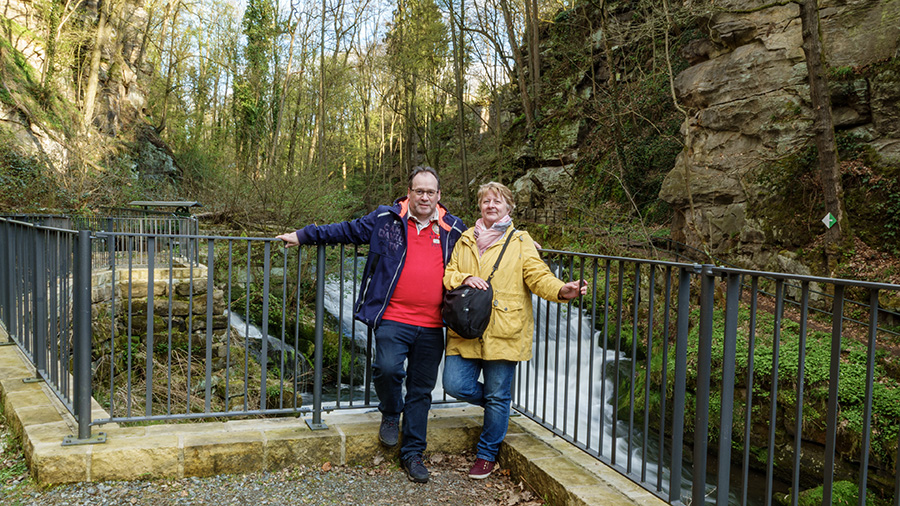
x=276, y=115
x=290, y=113
x=286, y=113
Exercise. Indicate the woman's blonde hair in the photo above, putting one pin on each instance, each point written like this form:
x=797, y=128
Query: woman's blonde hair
x=499, y=189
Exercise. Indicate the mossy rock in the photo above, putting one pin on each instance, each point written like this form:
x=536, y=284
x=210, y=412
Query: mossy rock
x=844, y=493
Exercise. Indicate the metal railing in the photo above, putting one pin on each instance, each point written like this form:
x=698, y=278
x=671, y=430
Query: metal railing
x=680, y=376
x=698, y=385
x=139, y=223
x=167, y=339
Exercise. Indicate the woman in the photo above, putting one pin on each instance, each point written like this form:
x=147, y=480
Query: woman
x=507, y=339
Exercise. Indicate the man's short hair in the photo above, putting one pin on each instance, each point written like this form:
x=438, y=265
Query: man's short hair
x=418, y=169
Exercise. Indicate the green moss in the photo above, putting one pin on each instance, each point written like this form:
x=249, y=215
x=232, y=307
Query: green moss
x=885, y=420
x=844, y=493
x=792, y=203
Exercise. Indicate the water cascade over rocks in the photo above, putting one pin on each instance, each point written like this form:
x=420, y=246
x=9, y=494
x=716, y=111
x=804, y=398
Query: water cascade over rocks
x=553, y=379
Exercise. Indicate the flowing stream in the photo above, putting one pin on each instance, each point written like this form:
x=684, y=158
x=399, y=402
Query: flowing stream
x=568, y=364
x=559, y=376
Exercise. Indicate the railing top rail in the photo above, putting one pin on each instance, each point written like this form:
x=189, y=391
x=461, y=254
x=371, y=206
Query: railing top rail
x=801, y=277
x=722, y=270
x=34, y=225
x=696, y=268
x=664, y=263
x=140, y=211
x=27, y=215
x=187, y=236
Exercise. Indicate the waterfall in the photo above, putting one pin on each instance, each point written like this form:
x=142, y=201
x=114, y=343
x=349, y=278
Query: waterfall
x=558, y=348
x=276, y=348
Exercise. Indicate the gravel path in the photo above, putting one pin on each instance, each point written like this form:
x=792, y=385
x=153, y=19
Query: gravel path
x=380, y=482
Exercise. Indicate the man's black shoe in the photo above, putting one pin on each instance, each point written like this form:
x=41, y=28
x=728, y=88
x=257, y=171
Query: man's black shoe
x=415, y=469
x=389, y=432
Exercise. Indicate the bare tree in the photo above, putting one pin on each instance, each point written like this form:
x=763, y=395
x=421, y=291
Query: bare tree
x=273, y=143
x=59, y=15
x=533, y=37
x=456, y=34
x=520, y=65
x=320, y=118
x=823, y=121
x=90, y=93
x=169, y=18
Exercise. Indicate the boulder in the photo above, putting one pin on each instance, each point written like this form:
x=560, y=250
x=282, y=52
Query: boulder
x=543, y=187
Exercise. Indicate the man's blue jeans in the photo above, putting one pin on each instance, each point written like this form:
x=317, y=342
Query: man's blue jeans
x=494, y=395
x=422, y=348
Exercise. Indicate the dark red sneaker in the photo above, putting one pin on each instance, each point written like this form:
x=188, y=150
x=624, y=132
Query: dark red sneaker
x=481, y=470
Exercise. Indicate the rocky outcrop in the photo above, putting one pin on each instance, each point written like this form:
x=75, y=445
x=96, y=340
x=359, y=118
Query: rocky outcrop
x=748, y=97
x=34, y=139
x=122, y=95
x=541, y=188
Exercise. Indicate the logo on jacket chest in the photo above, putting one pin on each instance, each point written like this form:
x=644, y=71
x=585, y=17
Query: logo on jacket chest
x=391, y=235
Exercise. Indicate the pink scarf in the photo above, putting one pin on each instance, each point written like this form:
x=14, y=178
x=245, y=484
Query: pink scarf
x=485, y=237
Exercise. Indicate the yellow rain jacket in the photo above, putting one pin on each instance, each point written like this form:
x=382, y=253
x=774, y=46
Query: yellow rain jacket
x=521, y=272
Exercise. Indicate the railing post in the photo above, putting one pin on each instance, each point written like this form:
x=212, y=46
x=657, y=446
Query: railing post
x=682, y=323
x=82, y=328
x=39, y=305
x=704, y=360
x=729, y=347
x=4, y=274
x=319, y=337
x=11, y=284
x=151, y=280
x=837, y=322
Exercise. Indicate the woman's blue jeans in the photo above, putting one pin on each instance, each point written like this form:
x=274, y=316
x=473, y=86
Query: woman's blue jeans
x=422, y=348
x=494, y=395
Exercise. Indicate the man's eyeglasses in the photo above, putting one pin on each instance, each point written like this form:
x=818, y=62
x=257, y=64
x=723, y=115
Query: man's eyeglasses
x=420, y=193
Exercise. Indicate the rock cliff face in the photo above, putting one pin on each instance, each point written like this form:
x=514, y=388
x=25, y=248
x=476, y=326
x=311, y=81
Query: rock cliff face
x=748, y=97
x=122, y=89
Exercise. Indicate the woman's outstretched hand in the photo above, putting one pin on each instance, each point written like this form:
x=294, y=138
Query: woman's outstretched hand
x=573, y=289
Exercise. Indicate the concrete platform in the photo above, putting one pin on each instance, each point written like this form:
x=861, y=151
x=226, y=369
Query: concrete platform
x=559, y=472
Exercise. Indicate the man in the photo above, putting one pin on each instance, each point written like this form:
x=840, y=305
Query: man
x=410, y=242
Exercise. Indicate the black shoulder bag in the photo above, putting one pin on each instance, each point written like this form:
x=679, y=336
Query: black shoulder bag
x=467, y=310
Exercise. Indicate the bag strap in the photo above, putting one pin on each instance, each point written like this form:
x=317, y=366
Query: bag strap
x=497, y=263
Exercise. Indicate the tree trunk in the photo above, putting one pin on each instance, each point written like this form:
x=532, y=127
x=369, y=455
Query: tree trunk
x=284, y=90
x=534, y=53
x=301, y=73
x=170, y=66
x=823, y=123
x=320, y=120
x=145, y=37
x=53, y=24
x=456, y=31
x=293, y=144
x=520, y=64
x=90, y=93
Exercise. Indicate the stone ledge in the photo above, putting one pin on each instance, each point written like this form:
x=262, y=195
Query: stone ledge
x=563, y=473
x=558, y=471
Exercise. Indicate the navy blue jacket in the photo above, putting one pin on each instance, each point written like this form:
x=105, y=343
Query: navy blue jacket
x=384, y=230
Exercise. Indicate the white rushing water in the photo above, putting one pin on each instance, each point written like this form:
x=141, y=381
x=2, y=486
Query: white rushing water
x=564, y=376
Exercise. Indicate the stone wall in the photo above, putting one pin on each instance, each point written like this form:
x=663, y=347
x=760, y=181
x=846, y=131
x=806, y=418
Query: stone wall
x=748, y=95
